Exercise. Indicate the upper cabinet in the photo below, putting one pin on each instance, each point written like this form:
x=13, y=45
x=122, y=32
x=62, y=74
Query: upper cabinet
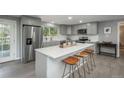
x=73, y=29
x=84, y=26
x=63, y=29
x=69, y=30
x=92, y=28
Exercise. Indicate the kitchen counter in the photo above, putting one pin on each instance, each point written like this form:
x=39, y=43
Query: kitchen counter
x=91, y=42
x=56, y=52
x=49, y=63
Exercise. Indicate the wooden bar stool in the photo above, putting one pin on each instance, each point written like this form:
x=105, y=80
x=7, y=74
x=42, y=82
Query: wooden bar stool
x=71, y=61
x=91, y=53
x=84, y=55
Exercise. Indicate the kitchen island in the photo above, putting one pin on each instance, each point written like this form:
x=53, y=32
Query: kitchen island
x=48, y=63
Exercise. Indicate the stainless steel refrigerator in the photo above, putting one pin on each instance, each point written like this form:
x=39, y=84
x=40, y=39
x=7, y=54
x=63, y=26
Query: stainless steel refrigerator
x=31, y=40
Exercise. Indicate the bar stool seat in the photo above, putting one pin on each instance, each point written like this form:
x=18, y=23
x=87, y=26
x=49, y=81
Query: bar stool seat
x=71, y=61
x=89, y=50
x=83, y=54
x=91, y=53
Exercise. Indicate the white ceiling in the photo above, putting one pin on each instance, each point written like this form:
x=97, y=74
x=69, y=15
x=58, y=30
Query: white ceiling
x=63, y=19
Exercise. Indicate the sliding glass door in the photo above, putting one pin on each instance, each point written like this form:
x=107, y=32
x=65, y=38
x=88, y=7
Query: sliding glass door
x=7, y=41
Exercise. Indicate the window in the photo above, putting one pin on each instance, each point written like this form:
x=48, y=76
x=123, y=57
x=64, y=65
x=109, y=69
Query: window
x=7, y=40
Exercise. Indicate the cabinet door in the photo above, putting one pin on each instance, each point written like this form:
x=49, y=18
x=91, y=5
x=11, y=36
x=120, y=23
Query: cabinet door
x=63, y=29
x=69, y=30
x=74, y=30
x=79, y=26
x=92, y=28
x=84, y=26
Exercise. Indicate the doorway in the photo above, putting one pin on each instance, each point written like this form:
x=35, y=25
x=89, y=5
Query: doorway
x=7, y=40
x=122, y=39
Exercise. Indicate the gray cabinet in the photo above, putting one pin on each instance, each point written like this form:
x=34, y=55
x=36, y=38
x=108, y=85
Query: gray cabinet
x=84, y=26
x=69, y=30
x=92, y=28
x=74, y=30
x=63, y=29
x=81, y=26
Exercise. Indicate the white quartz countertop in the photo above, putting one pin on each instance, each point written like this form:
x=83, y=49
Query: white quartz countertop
x=56, y=52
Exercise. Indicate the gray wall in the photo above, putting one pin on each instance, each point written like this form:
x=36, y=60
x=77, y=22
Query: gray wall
x=30, y=20
x=18, y=31
x=113, y=36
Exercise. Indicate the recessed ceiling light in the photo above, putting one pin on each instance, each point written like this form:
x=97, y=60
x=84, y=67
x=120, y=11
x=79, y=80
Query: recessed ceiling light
x=69, y=17
x=80, y=21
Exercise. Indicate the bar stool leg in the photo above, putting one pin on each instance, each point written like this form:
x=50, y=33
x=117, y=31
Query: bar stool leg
x=88, y=66
x=72, y=71
x=78, y=70
x=84, y=69
x=64, y=71
x=93, y=60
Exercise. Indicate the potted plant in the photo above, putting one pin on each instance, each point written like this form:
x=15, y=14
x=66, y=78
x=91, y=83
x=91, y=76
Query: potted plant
x=53, y=32
x=46, y=32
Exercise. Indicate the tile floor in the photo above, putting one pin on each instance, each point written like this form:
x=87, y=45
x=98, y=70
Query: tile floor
x=106, y=67
x=17, y=70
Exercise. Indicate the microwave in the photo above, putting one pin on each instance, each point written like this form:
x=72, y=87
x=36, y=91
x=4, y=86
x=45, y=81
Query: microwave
x=82, y=31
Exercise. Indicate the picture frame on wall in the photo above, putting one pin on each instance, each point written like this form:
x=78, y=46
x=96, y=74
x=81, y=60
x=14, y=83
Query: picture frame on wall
x=107, y=30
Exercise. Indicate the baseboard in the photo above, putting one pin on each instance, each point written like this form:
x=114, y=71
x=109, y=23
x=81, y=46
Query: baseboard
x=9, y=60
